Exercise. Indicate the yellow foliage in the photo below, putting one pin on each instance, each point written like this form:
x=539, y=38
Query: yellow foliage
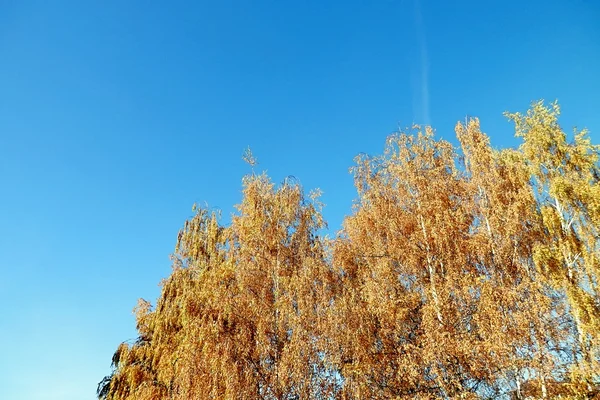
x=462, y=273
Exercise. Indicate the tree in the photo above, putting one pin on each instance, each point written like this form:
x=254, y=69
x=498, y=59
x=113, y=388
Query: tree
x=515, y=303
x=436, y=296
x=566, y=178
x=240, y=314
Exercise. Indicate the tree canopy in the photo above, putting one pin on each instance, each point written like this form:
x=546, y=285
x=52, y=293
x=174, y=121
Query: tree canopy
x=462, y=272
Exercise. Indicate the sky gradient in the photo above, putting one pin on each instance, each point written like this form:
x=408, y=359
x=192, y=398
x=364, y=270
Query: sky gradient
x=116, y=116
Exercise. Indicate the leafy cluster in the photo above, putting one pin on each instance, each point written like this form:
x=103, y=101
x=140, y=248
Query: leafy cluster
x=462, y=272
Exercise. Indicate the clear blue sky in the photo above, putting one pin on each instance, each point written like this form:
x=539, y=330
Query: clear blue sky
x=115, y=116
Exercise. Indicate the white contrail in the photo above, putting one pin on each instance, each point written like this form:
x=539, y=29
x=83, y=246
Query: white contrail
x=424, y=75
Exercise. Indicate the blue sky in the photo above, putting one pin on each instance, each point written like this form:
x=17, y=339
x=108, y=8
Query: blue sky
x=116, y=116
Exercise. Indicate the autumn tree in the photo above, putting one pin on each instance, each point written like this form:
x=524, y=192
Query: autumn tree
x=240, y=315
x=566, y=179
x=515, y=306
x=388, y=318
x=462, y=272
x=430, y=292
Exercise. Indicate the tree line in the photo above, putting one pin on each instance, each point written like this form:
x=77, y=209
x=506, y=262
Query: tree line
x=462, y=272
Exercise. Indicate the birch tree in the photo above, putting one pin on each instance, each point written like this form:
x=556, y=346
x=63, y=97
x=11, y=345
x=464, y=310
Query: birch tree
x=239, y=316
x=566, y=178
